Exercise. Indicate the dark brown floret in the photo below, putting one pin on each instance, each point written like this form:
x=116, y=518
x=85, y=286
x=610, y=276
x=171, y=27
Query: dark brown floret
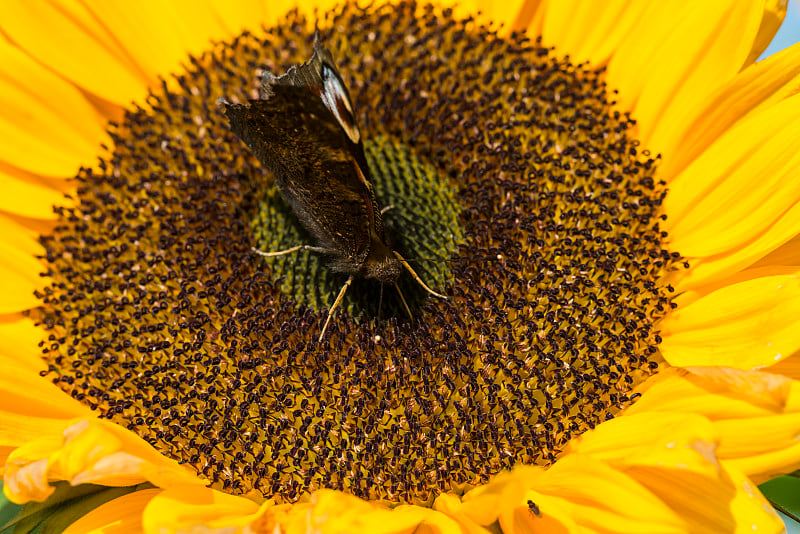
x=160, y=317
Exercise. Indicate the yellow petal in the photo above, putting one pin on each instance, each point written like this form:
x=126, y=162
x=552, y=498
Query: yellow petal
x=30, y=483
x=588, y=31
x=723, y=218
x=667, y=439
x=451, y=506
x=234, y=17
x=115, y=51
x=774, y=13
x=604, y=499
x=747, y=325
x=530, y=17
x=678, y=54
x=672, y=455
x=36, y=226
x=716, y=393
x=334, y=512
x=788, y=367
x=24, y=392
x=577, y=493
x=745, y=451
x=47, y=126
x=70, y=41
x=418, y=519
x=759, y=86
x=181, y=508
x=28, y=195
x=719, y=188
x=90, y=451
x=756, y=415
x=711, y=272
x=502, y=495
x=19, y=269
x=760, y=269
x=786, y=254
x=30, y=407
x=19, y=339
x=493, y=12
x=173, y=29
x=16, y=429
x=752, y=512
x=19, y=237
x=276, y=10
x=122, y=515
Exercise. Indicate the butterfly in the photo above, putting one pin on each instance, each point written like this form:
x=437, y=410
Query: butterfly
x=304, y=130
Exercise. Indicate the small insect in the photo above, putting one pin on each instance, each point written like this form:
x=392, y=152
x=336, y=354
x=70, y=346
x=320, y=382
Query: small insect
x=534, y=508
x=304, y=130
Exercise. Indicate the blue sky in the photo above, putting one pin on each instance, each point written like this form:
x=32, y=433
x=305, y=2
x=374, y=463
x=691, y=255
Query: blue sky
x=789, y=32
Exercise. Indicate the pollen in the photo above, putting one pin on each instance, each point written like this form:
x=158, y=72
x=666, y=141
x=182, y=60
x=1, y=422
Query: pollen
x=494, y=153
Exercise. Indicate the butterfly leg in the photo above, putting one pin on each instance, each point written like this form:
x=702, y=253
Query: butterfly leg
x=387, y=208
x=408, y=310
x=335, y=304
x=380, y=302
x=416, y=276
x=287, y=251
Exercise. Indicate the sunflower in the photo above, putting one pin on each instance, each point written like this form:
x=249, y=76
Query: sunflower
x=613, y=190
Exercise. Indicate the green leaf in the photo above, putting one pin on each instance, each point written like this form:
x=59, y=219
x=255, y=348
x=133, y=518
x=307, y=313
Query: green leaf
x=784, y=494
x=66, y=505
x=7, y=508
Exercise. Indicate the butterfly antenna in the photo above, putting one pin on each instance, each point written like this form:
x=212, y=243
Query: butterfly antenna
x=335, y=304
x=278, y=253
x=416, y=277
x=408, y=310
x=287, y=251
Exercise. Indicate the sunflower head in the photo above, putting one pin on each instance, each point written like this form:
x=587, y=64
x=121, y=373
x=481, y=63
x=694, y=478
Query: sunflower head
x=161, y=318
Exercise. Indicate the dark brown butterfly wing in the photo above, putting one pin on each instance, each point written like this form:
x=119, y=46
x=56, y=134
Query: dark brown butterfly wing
x=303, y=130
